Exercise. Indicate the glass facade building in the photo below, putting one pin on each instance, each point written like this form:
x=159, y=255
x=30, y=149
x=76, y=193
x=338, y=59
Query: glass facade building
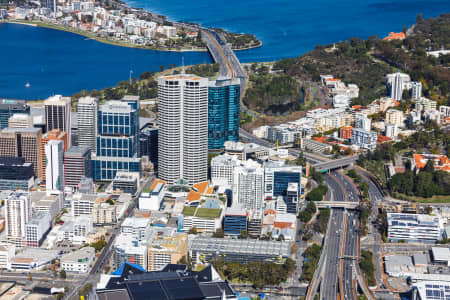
x=117, y=140
x=10, y=107
x=234, y=224
x=148, y=143
x=282, y=179
x=223, y=112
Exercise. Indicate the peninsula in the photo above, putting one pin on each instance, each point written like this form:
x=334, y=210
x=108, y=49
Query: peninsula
x=114, y=22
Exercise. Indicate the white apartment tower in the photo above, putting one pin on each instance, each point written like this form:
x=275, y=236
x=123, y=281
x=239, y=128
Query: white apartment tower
x=17, y=214
x=416, y=91
x=183, y=128
x=397, y=82
x=57, y=115
x=248, y=186
x=87, y=122
x=54, y=170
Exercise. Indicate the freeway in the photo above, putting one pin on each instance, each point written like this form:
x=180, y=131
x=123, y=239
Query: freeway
x=330, y=268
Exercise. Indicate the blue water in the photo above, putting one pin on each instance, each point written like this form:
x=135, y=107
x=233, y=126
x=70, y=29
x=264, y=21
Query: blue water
x=59, y=62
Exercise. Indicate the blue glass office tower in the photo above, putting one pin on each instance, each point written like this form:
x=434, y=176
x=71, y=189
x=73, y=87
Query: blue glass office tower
x=235, y=220
x=223, y=112
x=117, y=140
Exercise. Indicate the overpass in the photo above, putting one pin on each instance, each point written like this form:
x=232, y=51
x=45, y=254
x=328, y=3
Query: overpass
x=336, y=204
x=335, y=164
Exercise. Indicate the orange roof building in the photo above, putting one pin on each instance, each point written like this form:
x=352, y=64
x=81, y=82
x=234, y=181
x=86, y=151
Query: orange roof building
x=198, y=190
x=383, y=139
x=441, y=162
x=395, y=36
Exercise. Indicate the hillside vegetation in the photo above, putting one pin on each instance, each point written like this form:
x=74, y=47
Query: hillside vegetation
x=366, y=62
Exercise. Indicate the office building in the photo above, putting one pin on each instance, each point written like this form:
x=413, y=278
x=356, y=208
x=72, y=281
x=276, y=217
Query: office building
x=152, y=198
x=248, y=186
x=207, y=218
x=433, y=288
x=20, y=121
x=104, y=213
x=10, y=107
x=292, y=197
x=129, y=249
x=397, y=82
x=117, y=140
x=79, y=261
x=183, y=131
x=315, y=146
x=9, y=144
x=235, y=220
x=50, y=203
x=17, y=214
x=87, y=111
x=57, y=115
x=54, y=170
x=223, y=112
x=126, y=182
x=22, y=142
x=204, y=249
x=416, y=90
x=413, y=228
x=165, y=249
x=37, y=228
x=15, y=174
x=82, y=204
x=278, y=176
x=52, y=135
x=364, y=139
x=148, y=143
x=135, y=227
x=222, y=167
x=7, y=253
x=77, y=164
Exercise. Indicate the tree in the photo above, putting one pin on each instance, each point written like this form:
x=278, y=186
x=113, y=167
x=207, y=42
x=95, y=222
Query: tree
x=419, y=18
x=244, y=234
x=428, y=210
x=30, y=277
x=316, y=176
x=219, y=233
x=63, y=274
x=193, y=230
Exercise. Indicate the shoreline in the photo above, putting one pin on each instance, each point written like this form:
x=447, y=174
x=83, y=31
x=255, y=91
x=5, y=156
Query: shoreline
x=112, y=42
x=96, y=38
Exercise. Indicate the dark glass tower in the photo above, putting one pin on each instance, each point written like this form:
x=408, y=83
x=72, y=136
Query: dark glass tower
x=223, y=112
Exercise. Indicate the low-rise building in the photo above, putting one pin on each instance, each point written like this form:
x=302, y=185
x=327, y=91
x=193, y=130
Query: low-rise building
x=37, y=228
x=203, y=250
x=104, y=213
x=165, y=249
x=126, y=182
x=78, y=261
x=364, y=139
x=82, y=204
x=151, y=199
x=441, y=255
x=7, y=252
x=413, y=228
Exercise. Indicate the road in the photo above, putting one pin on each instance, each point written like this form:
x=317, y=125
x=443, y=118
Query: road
x=96, y=270
x=312, y=158
x=329, y=286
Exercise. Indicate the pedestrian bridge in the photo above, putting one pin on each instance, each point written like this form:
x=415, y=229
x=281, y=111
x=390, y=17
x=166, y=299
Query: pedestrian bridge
x=336, y=204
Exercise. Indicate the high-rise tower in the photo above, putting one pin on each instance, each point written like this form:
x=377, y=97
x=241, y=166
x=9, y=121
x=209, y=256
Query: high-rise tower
x=183, y=131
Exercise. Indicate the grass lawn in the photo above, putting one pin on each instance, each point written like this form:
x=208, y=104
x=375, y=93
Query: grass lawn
x=434, y=199
x=208, y=213
x=189, y=211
